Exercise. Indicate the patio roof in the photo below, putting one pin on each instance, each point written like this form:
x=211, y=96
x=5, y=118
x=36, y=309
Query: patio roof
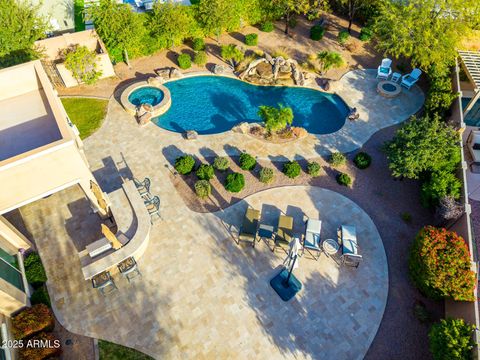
x=471, y=62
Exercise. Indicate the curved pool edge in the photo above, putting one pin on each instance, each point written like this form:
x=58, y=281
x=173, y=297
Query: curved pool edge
x=159, y=109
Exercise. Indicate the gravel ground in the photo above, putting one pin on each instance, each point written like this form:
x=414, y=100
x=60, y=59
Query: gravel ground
x=74, y=347
x=401, y=335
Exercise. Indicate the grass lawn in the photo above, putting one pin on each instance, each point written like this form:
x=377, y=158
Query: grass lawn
x=111, y=351
x=86, y=114
x=78, y=15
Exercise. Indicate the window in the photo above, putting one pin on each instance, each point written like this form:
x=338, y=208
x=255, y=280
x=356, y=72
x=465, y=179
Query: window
x=9, y=270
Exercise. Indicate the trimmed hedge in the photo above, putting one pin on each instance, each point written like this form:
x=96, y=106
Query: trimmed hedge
x=34, y=270
x=292, y=169
x=247, y=162
x=221, y=163
x=203, y=189
x=198, y=44
x=451, y=339
x=317, y=32
x=251, y=39
x=184, y=164
x=313, y=169
x=267, y=26
x=184, y=61
x=337, y=159
x=235, y=182
x=200, y=58
x=31, y=321
x=266, y=175
x=362, y=160
x=344, y=179
x=205, y=172
x=40, y=296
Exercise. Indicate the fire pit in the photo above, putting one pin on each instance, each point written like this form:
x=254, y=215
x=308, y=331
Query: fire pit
x=388, y=89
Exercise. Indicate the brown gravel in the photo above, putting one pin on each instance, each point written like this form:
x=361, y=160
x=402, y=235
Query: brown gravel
x=78, y=348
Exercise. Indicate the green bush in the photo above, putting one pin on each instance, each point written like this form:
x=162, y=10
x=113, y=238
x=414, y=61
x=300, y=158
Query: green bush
x=317, y=32
x=235, y=182
x=267, y=26
x=365, y=34
x=221, y=163
x=440, y=95
x=266, y=175
x=203, y=189
x=205, y=172
x=247, y=162
x=439, y=265
x=31, y=321
x=313, y=168
x=362, y=160
x=292, y=169
x=40, y=296
x=344, y=179
x=184, y=61
x=451, y=339
x=34, y=270
x=343, y=36
x=184, y=164
x=275, y=119
x=440, y=184
x=198, y=44
x=251, y=39
x=200, y=58
x=337, y=159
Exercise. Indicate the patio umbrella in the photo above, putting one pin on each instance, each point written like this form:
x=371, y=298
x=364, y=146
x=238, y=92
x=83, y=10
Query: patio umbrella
x=291, y=261
x=102, y=203
x=285, y=284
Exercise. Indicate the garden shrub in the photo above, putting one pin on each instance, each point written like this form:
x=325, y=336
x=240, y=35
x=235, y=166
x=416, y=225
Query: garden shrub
x=317, y=32
x=251, y=39
x=366, y=34
x=440, y=184
x=203, y=189
x=40, y=296
x=362, y=160
x=198, y=44
x=200, y=58
x=451, y=339
x=344, y=179
x=440, y=95
x=184, y=164
x=328, y=60
x=41, y=352
x=205, y=172
x=184, y=61
x=439, y=265
x=275, y=119
x=82, y=63
x=337, y=159
x=31, y=321
x=267, y=26
x=221, y=163
x=266, y=175
x=247, y=162
x=34, y=270
x=343, y=36
x=233, y=54
x=313, y=168
x=292, y=169
x=235, y=182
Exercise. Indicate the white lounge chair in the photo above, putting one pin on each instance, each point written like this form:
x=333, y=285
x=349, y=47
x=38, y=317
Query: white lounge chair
x=384, y=70
x=311, y=240
x=473, y=144
x=350, y=254
x=410, y=79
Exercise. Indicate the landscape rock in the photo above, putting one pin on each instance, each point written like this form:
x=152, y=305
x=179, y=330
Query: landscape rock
x=144, y=114
x=155, y=81
x=191, y=135
x=175, y=74
x=242, y=128
x=220, y=69
x=264, y=70
x=164, y=73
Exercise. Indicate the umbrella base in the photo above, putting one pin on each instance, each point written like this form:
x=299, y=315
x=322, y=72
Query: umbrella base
x=285, y=291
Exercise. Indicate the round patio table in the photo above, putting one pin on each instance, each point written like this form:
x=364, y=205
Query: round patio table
x=330, y=247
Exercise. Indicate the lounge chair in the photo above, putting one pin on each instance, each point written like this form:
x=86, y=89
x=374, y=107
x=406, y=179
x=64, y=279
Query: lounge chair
x=473, y=144
x=348, y=239
x=284, y=232
x=384, y=70
x=248, y=231
x=143, y=187
x=410, y=79
x=311, y=240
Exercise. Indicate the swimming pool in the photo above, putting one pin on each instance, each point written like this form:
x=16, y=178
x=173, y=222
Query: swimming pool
x=146, y=95
x=215, y=104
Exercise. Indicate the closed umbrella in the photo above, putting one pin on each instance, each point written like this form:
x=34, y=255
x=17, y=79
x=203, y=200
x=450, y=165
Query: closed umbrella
x=285, y=284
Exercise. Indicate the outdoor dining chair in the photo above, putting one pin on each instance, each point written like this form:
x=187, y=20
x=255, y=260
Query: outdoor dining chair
x=143, y=187
x=248, y=231
x=129, y=268
x=311, y=239
x=104, y=282
x=153, y=207
x=284, y=232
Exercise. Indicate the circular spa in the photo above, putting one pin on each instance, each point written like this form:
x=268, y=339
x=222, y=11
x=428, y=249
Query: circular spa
x=157, y=97
x=215, y=104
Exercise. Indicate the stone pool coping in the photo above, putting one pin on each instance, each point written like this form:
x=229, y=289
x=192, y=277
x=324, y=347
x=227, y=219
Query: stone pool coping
x=159, y=109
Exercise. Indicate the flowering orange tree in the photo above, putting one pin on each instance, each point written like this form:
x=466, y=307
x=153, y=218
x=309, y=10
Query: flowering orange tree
x=440, y=265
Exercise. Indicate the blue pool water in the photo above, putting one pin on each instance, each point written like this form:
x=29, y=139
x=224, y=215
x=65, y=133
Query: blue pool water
x=214, y=104
x=146, y=95
x=473, y=116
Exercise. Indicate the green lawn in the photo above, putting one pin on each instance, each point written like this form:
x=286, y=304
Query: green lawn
x=111, y=351
x=86, y=114
x=78, y=7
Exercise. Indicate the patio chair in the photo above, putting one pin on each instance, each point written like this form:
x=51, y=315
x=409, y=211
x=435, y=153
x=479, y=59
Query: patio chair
x=311, y=240
x=129, y=268
x=410, y=79
x=104, y=282
x=143, y=187
x=348, y=241
x=284, y=233
x=248, y=231
x=153, y=207
x=384, y=70
x=473, y=144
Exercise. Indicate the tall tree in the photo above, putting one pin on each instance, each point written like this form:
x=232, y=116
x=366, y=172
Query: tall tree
x=353, y=6
x=289, y=8
x=216, y=16
x=21, y=25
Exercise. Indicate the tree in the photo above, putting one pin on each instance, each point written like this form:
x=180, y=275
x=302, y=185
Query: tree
x=289, y=8
x=216, y=16
x=21, y=26
x=427, y=31
x=328, y=60
x=120, y=28
x=353, y=6
x=422, y=145
x=440, y=184
x=171, y=23
x=276, y=118
x=232, y=54
x=82, y=63
x=451, y=339
x=439, y=265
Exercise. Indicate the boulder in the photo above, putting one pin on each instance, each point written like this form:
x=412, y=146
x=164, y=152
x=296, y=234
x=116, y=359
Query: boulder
x=268, y=58
x=264, y=70
x=220, y=69
x=164, y=73
x=285, y=68
x=242, y=128
x=191, y=135
x=251, y=67
x=144, y=114
x=175, y=74
x=155, y=81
